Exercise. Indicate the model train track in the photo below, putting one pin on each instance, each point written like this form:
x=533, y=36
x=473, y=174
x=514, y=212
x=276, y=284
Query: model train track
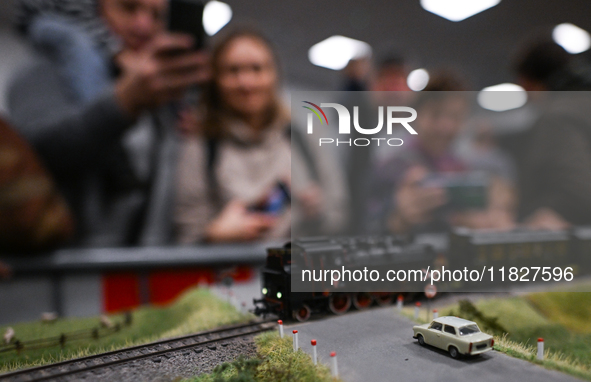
x=67, y=369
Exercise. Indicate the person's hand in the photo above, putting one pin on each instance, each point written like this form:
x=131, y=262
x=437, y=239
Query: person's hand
x=496, y=219
x=414, y=203
x=160, y=73
x=236, y=223
x=311, y=200
x=499, y=214
x=545, y=218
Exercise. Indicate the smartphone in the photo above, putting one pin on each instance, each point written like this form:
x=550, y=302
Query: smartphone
x=186, y=16
x=277, y=200
x=464, y=190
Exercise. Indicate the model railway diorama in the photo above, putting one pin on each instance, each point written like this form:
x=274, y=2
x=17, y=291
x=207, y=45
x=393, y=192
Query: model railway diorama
x=458, y=249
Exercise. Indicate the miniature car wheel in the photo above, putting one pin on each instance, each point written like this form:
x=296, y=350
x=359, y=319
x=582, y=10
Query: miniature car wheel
x=383, y=299
x=453, y=352
x=302, y=314
x=421, y=340
x=339, y=303
x=362, y=300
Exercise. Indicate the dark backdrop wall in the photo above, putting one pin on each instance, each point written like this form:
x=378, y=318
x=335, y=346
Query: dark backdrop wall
x=481, y=46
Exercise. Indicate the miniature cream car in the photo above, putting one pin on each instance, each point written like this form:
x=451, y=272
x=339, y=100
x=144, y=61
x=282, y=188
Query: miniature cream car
x=455, y=335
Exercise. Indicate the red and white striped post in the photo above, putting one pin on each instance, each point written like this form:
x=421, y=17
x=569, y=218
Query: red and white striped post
x=335, y=369
x=417, y=307
x=295, y=341
x=435, y=313
x=314, y=353
x=541, y=349
x=232, y=299
x=399, y=302
x=280, y=328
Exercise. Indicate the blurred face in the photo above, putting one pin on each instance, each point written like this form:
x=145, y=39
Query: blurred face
x=390, y=86
x=531, y=85
x=392, y=78
x=439, y=122
x=247, y=76
x=136, y=22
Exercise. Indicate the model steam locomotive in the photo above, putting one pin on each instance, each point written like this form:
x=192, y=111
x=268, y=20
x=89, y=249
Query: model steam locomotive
x=461, y=247
x=320, y=252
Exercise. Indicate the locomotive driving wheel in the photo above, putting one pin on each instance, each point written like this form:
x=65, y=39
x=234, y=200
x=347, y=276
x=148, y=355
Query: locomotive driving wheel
x=339, y=303
x=362, y=300
x=302, y=314
x=384, y=299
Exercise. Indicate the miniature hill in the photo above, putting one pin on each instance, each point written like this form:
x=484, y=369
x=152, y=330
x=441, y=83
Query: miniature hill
x=194, y=311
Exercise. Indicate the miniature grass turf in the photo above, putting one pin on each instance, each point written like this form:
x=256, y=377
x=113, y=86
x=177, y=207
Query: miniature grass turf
x=562, y=319
x=194, y=311
x=276, y=361
x=526, y=321
x=570, y=309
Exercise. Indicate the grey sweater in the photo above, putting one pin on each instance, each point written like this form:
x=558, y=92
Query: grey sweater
x=76, y=143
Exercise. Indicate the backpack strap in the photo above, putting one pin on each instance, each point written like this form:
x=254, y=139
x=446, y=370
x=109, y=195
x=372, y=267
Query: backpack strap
x=212, y=150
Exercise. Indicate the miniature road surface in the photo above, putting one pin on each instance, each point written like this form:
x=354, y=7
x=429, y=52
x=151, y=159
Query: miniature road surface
x=377, y=345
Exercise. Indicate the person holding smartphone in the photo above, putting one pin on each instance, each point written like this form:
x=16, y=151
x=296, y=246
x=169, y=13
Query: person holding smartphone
x=112, y=154
x=235, y=170
x=427, y=187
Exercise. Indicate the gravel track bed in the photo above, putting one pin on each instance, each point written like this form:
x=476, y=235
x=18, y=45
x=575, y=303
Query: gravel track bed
x=172, y=366
x=164, y=360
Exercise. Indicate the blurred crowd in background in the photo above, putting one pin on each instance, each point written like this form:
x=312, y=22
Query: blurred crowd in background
x=120, y=134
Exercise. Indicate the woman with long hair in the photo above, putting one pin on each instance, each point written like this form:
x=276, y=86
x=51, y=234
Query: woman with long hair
x=235, y=166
